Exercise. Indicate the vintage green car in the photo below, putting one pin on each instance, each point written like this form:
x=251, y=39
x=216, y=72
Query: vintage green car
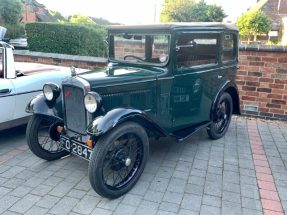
x=162, y=80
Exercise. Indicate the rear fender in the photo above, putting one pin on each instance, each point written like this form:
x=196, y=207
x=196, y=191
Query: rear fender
x=231, y=88
x=103, y=124
x=39, y=105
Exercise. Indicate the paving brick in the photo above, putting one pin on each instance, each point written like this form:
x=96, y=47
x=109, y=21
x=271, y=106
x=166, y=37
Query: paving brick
x=227, y=186
x=231, y=208
x=109, y=204
x=21, y=191
x=246, y=211
x=176, y=185
x=153, y=196
x=231, y=197
x=140, y=188
x=209, y=210
x=35, y=210
x=48, y=201
x=147, y=207
x=61, y=189
x=159, y=184
x=131, y=199
x=86, y=205
x=100, y=211
x=4, y=191
x=267, y=194
x=264, y=177
x=125, y=210
x=170, y=207
x=64, y=206
x=6, y=202
x=253, y=204
x=269, y=212
x=172, y=197
x=271, y=205
x=191, y=202
x=24, y=204
x=41, y=190
x=211, y=201
x=74, y=193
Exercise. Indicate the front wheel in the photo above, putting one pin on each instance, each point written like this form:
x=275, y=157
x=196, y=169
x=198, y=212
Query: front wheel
x=39, y=140
x=223, y=113
x=118, y=160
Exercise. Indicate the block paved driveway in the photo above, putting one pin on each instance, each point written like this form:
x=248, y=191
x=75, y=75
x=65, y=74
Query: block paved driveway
x=243, y=173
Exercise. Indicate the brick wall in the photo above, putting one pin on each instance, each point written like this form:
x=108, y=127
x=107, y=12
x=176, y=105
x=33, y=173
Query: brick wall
x=83, y=62
x=262, y=81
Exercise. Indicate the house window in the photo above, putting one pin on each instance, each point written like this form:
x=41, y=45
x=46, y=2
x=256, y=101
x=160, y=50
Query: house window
x=195, y=49
x=228, y=48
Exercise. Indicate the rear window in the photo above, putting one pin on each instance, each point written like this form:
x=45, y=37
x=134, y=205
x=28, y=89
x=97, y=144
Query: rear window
x=228, y=48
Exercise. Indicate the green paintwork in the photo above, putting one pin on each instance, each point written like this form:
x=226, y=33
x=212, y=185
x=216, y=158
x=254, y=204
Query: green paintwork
x=175, y=98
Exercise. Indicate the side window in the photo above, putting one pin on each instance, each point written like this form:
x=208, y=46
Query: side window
x=195, y=49
x=1, y=63
x=228, y=48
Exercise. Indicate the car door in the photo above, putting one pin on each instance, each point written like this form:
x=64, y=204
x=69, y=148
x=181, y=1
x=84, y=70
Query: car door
x=196, y=77
x=7, y=98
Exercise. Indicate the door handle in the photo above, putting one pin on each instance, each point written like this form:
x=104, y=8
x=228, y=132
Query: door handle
x=5, y=91
x=219, y=76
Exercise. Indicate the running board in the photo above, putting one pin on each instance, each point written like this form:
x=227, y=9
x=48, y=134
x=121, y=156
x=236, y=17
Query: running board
x=182, y=135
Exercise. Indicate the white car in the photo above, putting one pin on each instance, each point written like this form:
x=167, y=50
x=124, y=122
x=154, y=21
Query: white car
x=19, y=83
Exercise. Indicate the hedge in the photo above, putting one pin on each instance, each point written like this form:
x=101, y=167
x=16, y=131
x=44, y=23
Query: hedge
x=66, y=38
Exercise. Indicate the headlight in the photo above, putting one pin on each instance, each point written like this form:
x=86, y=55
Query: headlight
x=51, y=91
x=91, y=103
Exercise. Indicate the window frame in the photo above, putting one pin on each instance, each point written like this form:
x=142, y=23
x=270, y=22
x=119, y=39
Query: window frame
x=111, y=54
x=235, y=54
x=203, y=66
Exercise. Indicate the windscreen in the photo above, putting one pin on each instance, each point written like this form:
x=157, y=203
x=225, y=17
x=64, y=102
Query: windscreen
x=141, y=48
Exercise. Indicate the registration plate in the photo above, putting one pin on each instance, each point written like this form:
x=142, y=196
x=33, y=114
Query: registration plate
x=76, y=147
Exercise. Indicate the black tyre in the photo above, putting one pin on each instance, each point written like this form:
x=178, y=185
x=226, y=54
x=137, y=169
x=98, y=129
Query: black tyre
x=222, y=114
x=39, y=140
x=118, y=160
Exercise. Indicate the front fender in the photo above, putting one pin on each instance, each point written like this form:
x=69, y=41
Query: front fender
x=231, y=88
x=39, y=105
x=103, y=124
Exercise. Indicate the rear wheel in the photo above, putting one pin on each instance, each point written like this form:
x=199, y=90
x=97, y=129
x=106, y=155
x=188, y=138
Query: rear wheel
x=118, y=160
x=39, y=139
x=223, y=113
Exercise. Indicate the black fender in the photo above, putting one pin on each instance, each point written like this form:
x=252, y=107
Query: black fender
x=103, y=124
x=39, y=105
x=231, y=88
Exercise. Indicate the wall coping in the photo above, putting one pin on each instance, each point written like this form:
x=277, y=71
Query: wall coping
x=61, y=56
x=262, y=48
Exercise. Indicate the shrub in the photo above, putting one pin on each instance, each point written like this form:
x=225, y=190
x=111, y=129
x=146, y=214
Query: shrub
x=14, y=31
x=66, y=38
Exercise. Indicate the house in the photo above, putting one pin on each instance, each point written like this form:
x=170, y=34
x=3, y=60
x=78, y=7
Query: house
x=36, y=12
x=276, y=10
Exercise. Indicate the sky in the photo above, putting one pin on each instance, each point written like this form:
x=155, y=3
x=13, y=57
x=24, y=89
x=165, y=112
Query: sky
x=134, y=11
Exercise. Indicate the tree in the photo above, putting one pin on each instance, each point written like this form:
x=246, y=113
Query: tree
x=191, y=11
x=57, y=15
x=10, y=11
x=253, y=23
x=80, y=19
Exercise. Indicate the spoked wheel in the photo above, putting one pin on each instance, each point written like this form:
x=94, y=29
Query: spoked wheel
x=222, y=114
x=118, y=160
x=38, y=133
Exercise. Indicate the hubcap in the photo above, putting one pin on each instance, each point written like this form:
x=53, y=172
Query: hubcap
x=128, y=162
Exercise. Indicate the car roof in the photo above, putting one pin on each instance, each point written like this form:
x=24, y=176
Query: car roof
x=176, y=25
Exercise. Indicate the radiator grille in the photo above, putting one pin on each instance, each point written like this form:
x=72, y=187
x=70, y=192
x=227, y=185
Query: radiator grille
x=75, y=113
